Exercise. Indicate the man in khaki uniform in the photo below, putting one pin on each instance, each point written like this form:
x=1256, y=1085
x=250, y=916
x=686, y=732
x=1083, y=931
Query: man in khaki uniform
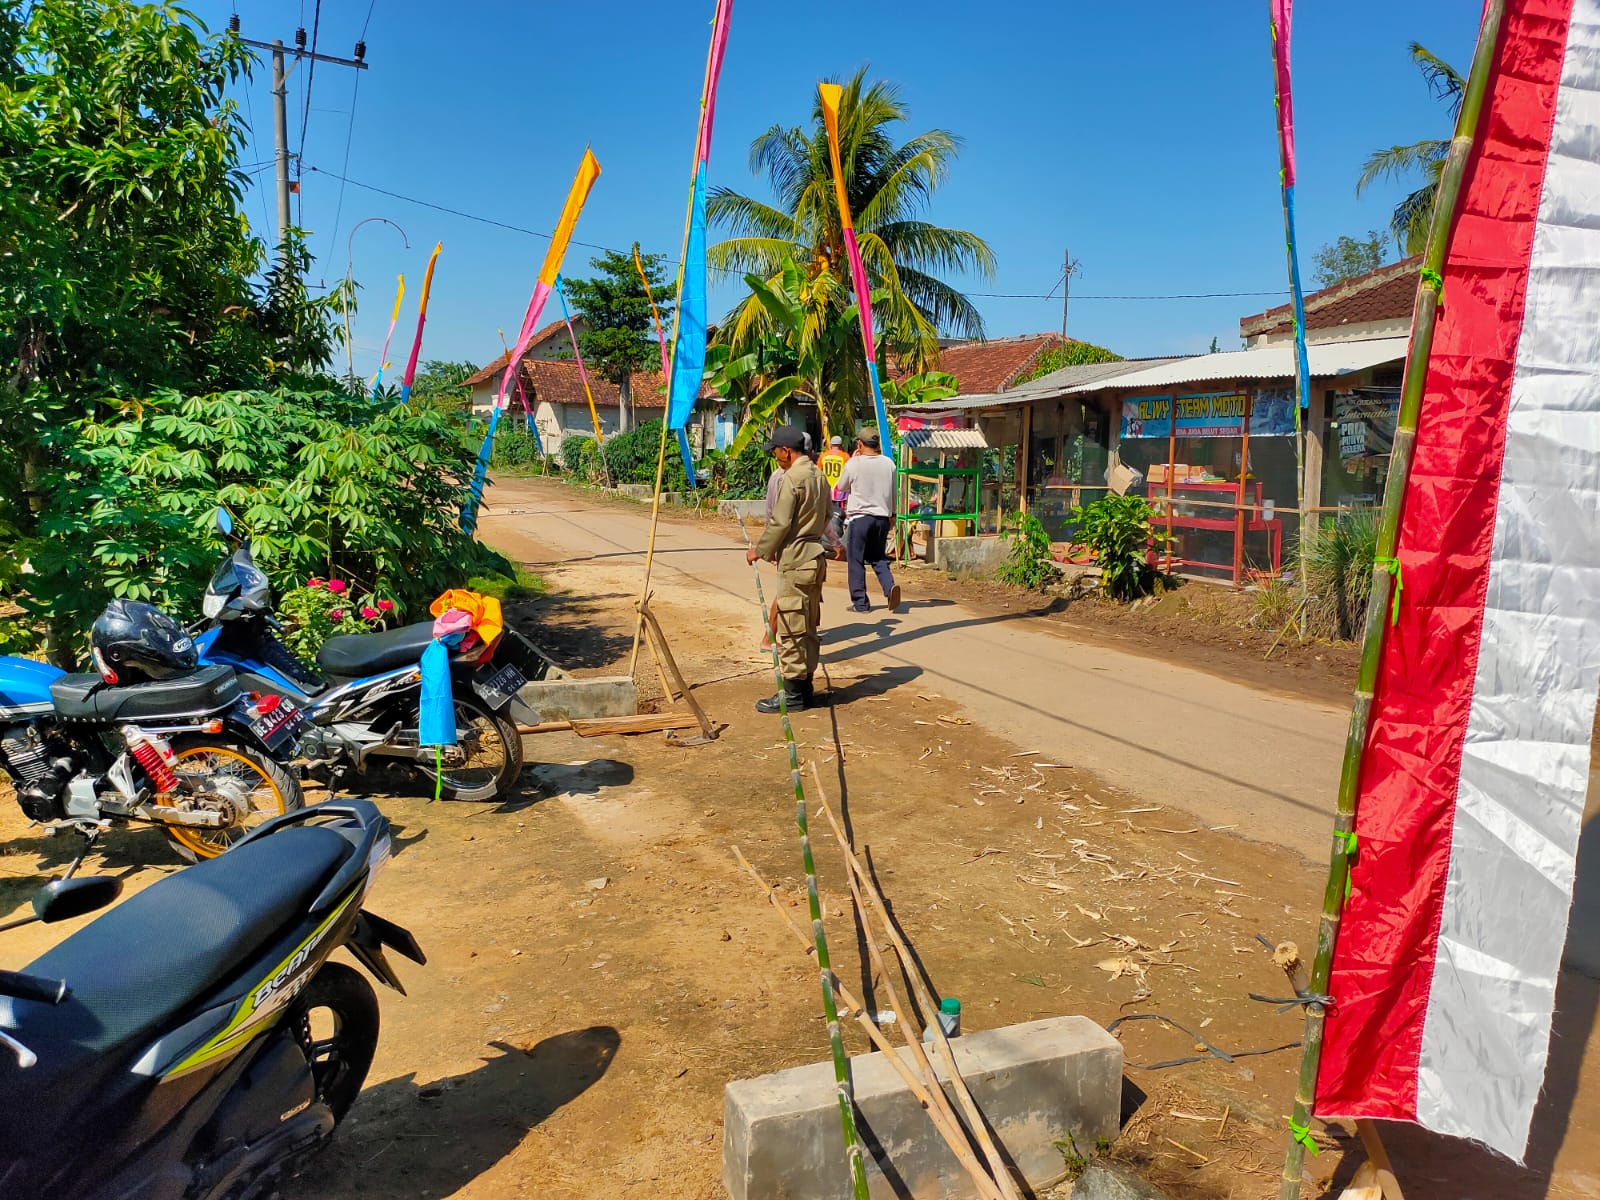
x=794, y=540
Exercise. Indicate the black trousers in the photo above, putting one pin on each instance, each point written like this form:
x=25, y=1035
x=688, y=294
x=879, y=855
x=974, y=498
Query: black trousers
x=867, y=542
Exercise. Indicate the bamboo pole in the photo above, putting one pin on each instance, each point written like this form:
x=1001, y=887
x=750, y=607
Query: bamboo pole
x=841, y=1065
x=908, y=1029
x=1239, y=521
x=1444, y=210
x=650, y=547
x=930, y=1017
x=1172, y=464
x=927, y=1097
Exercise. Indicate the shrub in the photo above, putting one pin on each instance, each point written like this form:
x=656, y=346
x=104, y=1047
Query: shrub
x=631, y=458
x=326, y=483
x=1338, y=556
x=1030, y=564
x=515, y=446
x=323, y=608
x=741, y=476
x=1119, y=532
x=580, y=457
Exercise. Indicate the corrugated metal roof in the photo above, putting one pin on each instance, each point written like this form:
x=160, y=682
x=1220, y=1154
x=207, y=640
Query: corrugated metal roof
x=944, y=439
x=1264, y=362
x=1057, y=383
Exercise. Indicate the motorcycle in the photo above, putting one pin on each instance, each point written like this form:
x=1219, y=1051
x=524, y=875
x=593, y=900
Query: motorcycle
x=193, y=753
x=195, y=1043
x=363, y=698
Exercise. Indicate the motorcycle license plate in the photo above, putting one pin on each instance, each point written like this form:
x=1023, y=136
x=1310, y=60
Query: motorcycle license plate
x=279, y=725
x=498, y=688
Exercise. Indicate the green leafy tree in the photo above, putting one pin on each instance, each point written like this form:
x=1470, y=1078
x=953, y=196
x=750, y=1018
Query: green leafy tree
x=1349, y=257
x=890, y=185
x=1120, y=531
x=1073, y=354
x=441, y=381
x=929, y=387
x=1409, y=222
x=621, y=339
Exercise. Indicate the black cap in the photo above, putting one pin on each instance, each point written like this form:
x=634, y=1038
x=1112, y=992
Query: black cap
x=787, y=437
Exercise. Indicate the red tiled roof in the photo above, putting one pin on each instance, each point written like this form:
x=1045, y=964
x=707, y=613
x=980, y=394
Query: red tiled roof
x=557, y=380
x=1386, y=294
x=993, y=365
x=498, y=366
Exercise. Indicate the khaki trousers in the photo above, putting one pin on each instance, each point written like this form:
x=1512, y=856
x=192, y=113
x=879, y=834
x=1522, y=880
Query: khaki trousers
x=799, y=611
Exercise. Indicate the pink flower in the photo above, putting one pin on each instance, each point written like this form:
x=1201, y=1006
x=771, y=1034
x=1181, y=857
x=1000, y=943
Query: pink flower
x=370, y=614
x=386, y=605
x=336, y=586
x=336, y=614
x=313, y=582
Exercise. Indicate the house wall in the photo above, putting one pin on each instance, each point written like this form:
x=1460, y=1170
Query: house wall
x=1355, y=332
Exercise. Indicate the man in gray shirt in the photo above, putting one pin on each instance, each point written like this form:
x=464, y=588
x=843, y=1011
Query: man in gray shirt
x=868, y=486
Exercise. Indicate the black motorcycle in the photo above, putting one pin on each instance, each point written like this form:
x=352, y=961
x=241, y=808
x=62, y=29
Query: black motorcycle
x=195, y=1043
x=189, y=750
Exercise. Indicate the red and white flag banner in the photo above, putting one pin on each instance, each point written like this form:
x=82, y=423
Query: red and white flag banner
x=1472, y=785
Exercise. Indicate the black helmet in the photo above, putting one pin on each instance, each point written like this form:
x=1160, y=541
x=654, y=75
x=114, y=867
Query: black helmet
x=134, y=642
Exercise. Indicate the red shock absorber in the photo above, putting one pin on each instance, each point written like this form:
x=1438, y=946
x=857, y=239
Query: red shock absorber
x=148, y=755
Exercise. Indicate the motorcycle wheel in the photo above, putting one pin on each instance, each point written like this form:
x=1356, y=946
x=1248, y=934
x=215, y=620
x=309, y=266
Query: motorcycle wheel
x=339, y=1030
x=493, y=756
x=268, y=788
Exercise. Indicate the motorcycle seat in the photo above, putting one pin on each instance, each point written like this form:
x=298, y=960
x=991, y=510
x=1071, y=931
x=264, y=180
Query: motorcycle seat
x=90, y=698
x=144, y=964
x=354, y=655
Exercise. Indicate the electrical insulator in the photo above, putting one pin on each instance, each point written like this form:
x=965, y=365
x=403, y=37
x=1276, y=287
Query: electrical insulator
x=233, y=23
x=361, y=51
x=300, y=38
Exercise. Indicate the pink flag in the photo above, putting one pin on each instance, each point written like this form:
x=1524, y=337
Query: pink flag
x=1282, y=15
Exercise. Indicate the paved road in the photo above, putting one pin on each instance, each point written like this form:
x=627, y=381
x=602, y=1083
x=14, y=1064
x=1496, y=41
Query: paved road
x=1228, y=754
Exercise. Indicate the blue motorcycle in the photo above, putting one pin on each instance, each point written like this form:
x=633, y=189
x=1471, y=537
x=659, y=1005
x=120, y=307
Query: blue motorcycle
x=363, y=698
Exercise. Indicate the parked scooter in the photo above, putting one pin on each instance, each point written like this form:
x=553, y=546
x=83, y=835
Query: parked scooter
x=195, y=1043
x=365, y=699
x=151, y=737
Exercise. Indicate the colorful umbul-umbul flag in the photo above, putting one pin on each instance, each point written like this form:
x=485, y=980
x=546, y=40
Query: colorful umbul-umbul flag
x=1472, y=786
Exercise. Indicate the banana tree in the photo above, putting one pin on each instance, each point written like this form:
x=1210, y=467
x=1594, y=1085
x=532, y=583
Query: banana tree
x=927, y=388
x=806, y=331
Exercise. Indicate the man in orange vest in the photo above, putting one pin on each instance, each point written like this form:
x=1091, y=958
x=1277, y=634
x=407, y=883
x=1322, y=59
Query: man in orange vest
x=832, y=465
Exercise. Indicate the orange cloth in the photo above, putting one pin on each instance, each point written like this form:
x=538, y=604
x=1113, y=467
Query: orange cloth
x=487, y=621
x=832, y=464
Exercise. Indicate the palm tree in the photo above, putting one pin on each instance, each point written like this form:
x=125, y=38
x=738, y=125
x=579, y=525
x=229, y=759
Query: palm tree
x=889, y=188
x=1409, y=223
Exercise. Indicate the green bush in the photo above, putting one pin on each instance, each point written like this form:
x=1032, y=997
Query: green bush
x=631, y=458
x=741, y=476
x=1119, y=532
x=1031, y=564
x=1338, y=554
x=580, y=457
x=326, y=484
x=515, y=446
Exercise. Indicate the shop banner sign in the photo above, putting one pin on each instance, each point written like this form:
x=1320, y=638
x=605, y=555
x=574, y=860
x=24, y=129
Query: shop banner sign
x=1210, y=414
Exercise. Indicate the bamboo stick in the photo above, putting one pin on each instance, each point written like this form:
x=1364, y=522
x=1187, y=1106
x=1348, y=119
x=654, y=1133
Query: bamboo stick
x=841, y=1065
x=927, y=1097
x=908, y=1030
x=1444, y=209
x=650, y=548
x=930, y=1016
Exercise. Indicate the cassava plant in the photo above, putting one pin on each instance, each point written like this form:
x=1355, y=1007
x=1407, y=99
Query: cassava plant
x=1119, y=532
x=1030, y=564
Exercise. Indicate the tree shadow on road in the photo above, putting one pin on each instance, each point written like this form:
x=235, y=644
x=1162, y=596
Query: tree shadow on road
x=435, y=1139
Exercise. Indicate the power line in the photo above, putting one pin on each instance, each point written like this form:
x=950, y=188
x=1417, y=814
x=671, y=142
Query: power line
x=368, y=21
x=250, y=110
x=349, y=135
x=456, y=212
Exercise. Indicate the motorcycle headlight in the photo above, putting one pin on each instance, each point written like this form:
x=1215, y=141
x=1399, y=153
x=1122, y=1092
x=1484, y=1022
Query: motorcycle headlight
x=211, y=606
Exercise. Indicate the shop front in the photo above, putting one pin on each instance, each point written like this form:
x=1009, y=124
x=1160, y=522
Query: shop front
x=1219, y=467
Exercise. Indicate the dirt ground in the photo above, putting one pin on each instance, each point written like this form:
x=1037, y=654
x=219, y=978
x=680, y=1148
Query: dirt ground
x=599, y=968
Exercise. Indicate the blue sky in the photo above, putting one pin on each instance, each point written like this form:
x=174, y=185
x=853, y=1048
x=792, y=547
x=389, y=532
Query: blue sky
x=1140, y=136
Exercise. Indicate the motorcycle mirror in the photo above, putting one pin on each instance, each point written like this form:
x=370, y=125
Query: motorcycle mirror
x=63, y=899
x=224, y=522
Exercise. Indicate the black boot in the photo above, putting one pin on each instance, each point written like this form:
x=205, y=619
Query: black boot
x=796, y=697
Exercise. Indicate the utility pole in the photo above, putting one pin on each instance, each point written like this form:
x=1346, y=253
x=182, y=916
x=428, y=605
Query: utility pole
x=1069, y=268
x=280, y=104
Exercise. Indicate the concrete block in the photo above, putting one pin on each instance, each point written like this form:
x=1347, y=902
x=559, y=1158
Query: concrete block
x=970, y=555
x=633, y=491
x=1104, y=1180
x=569, y=698
x=751, y=510
x=1036, y=1083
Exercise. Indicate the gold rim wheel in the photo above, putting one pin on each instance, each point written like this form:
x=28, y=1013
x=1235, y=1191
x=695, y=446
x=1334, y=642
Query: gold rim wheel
x=255, y=787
